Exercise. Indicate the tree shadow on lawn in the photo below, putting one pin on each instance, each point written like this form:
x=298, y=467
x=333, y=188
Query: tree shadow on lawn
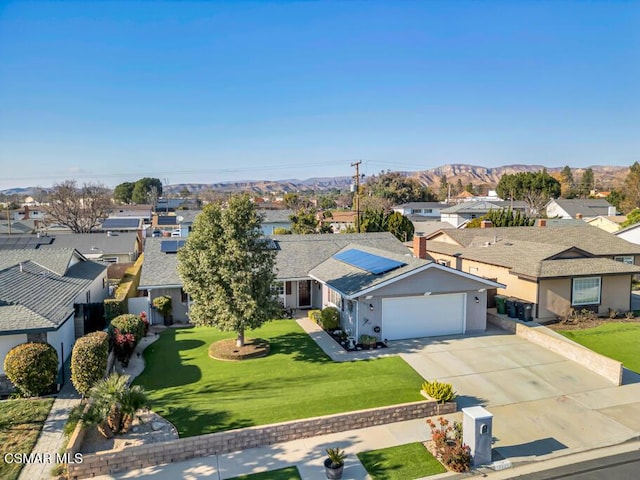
x=189, y=422
x=299, y=346
x=182, y=345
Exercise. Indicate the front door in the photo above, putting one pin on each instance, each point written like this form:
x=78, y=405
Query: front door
x=304, y=293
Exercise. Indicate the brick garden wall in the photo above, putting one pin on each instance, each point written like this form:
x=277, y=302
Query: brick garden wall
x=130, y=458
x=546, y=338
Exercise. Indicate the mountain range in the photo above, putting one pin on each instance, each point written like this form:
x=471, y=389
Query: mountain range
x=606, y=178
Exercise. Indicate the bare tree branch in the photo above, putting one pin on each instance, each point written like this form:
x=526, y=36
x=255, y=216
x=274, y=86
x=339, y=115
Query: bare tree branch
x=81, y=209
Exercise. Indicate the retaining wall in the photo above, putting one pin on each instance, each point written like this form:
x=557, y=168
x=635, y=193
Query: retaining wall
x=541, y=335
x=110, y=462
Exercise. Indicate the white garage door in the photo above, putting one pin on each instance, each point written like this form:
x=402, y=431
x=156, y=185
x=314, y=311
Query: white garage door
x=424, y=316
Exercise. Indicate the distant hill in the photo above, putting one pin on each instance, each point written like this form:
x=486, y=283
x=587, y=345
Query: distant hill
x=606, y=177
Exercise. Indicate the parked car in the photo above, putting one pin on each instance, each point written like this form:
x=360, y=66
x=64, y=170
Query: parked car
x=156, y=233
x=176, y=233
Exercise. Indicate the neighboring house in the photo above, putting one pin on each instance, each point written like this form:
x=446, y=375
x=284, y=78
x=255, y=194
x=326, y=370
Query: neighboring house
x=159, y=277
x=463, y=212
x=42, y=295
x=423, y=227
x=143, y=212
x=105, y=247
x=30, y=213
x=22, y=227
x=630, y=233
x=121, y=224
x=341, y=221
x=579, y=208
x=275, y=219
x=609, y=224
x=555, y=269
x=167, y=205
x=422, y=209
x=179, y=224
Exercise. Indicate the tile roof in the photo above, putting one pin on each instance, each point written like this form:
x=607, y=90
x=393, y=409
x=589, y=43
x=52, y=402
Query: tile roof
x=33, y=296
x=299, y=254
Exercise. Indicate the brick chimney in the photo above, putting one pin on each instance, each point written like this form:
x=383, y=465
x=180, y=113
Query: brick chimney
x=486, y=224
x=420, y=247
x=542, y=222
x=26, y=213
x=579, y=216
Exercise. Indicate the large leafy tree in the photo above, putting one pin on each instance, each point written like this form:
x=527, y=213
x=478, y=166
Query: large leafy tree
x=397, y=188
x=124, y=192
x=377, y=220
x=307, y=221
x=146, y=190
x=630, y=194
x=79, y=208
x=587, y=183
x=567, y=184
x=535, y=188
x=227, y=268
x=400, y=226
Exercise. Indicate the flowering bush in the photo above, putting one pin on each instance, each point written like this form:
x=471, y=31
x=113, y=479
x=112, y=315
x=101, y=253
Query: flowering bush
x=145, y=321
x=123, y=346
x=447, y=442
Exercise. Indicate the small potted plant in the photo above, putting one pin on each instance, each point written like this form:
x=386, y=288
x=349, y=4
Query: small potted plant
x=334, y=464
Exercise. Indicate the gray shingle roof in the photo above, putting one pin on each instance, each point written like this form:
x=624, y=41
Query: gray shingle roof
x=484, y=206
x=588, y=207
x=56, y=260
x=158, y=268
x=276, y=216
x=435, y=205
x=37, y=297
x=528, y=250
x=351, y=280
x=299, y=254
x=90, y=243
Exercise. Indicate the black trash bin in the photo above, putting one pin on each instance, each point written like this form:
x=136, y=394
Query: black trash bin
x=528, y=312
x=520, y=310
x=511, y=308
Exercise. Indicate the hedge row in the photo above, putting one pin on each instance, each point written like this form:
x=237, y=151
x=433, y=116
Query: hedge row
x=127, y=288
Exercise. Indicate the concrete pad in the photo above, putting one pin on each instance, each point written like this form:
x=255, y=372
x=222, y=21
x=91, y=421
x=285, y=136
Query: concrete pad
x=549, y=426
x=568, y=377
x=627, y=415
x=607, y=397
x=204, y=468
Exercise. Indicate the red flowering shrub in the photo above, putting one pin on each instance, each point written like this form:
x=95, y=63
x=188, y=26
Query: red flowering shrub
x=123, y=346
x=447, y=442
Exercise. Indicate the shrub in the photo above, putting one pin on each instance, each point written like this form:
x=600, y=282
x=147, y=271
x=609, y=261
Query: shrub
x=128, y=323
x=336, y=456
x=123, y=346
x=32, y=368
x=314, y=316
x=163, y=304
x=330, y=318
x=448, y=446
x=440, y=391
x=89, y=361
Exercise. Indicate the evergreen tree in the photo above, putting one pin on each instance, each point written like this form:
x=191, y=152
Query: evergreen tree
x=586, y=183
x=631, y=189
x=227, y=268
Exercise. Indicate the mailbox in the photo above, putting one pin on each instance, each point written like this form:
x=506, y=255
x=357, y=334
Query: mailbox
x=477, y=432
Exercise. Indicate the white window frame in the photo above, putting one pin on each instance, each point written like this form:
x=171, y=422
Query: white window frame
x=583, y=280
x=626, y=259
x=335, y=298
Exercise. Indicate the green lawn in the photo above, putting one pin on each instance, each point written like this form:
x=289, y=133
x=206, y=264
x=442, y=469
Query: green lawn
x=288, y=473
x=617, y=340
x=20, y=424
x=404, y=462
x=297, y=380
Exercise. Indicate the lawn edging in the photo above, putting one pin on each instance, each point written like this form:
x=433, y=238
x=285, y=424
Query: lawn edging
x=111, y=462
x=547, y=338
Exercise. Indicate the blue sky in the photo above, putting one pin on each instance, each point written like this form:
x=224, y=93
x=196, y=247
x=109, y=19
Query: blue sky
x=217, y=91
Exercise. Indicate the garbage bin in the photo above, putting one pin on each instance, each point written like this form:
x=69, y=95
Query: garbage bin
x=501, y=304
x=528, y=312
x=520, y=310
x=511, y=308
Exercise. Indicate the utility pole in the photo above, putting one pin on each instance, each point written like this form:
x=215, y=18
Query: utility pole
x=357, y=196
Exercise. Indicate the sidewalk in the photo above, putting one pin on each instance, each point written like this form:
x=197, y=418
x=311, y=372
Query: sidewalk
x=51, y=437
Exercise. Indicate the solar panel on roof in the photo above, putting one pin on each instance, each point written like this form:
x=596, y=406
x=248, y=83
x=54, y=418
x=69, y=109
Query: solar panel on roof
x=121, y=223
x=368, y=261
x=171, y=246
x=167, y=220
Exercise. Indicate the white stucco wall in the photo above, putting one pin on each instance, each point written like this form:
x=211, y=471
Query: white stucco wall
x=64, y=335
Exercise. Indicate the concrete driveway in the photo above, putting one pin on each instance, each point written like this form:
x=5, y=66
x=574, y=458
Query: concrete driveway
x=542, y=403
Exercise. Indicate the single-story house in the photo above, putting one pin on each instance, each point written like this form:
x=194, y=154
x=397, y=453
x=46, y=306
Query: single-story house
x=422, y=209
x=109, y=247
x=555, y=269
x=463, y=212
x=181, y=222
x=42, y=298
x=275, y=219
x=340, y=221
x=609, y=224
x=133, y=211
x=630, y=233
x=579, y=208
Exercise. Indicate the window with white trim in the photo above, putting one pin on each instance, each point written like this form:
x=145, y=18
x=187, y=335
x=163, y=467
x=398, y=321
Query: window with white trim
x=335, y=298
x=628, y=259
x=586, y=291
x=278, y=288
x=444, y=263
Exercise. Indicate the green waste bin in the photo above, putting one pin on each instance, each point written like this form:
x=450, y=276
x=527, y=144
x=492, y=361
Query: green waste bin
x=501, y=304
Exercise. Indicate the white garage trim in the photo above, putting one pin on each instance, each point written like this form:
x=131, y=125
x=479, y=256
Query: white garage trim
x=423, y=316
